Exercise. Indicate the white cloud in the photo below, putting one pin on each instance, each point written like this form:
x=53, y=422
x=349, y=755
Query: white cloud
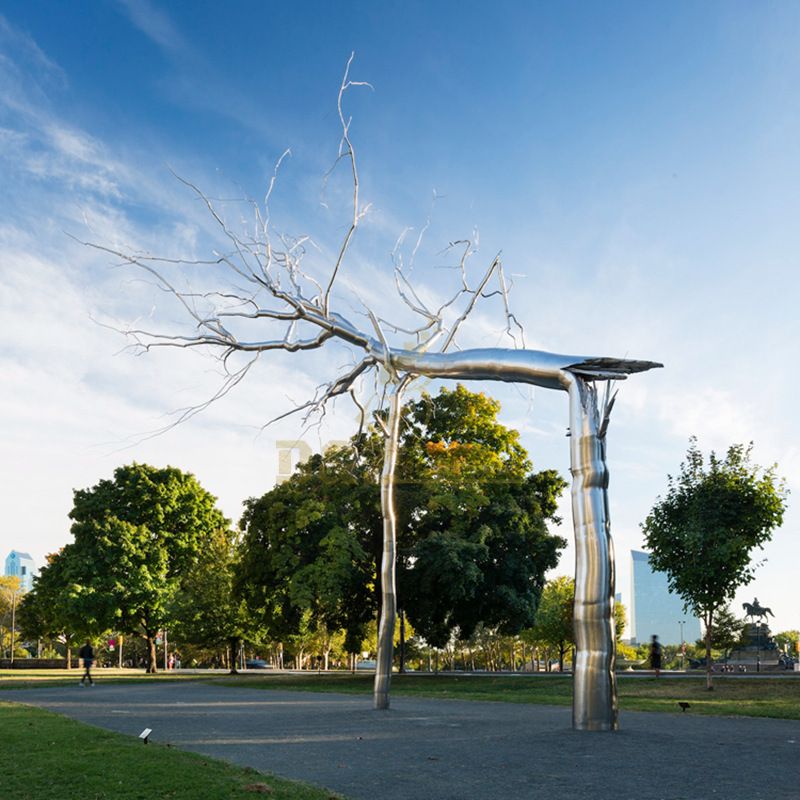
x=23, y=43
x=716, y=417
x=154, y=23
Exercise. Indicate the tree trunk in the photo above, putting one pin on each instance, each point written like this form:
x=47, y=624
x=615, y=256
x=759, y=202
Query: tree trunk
x=383, y=670
x=594, y=705
x=233, y=641
x=402, y=640
x=152, y=657
x=119, y=652
x=709, y=618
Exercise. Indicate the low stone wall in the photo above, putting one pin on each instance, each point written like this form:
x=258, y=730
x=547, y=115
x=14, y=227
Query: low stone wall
x=33, y=663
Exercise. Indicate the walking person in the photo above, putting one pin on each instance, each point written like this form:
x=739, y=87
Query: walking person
x=86, y=654
x=655, y=655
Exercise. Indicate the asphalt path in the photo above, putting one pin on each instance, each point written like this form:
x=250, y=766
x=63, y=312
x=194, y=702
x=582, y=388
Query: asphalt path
x=448, y=749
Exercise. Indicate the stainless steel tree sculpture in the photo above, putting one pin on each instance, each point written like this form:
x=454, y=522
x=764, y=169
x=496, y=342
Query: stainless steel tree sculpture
x=278, y=291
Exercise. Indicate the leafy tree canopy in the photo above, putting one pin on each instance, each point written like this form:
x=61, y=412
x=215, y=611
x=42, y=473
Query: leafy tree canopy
x=135, y=536
x=553, y=627
x=788, y=640
x=9, y=586
x=472, y=528
x=703, y=532
x=49, y=610
x=727, y=630
x=474, y=540
x=206, y=611
x=310, y=545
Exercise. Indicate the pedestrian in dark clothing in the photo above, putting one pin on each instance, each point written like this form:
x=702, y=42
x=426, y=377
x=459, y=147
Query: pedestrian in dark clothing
x=655, y=655
x=86, y=654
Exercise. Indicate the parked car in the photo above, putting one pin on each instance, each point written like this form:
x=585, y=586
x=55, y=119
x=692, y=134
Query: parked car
x=257, y=663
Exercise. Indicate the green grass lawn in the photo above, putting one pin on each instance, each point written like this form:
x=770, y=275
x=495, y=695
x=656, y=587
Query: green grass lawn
x=46, y=755
x=732, y=696
x=26, y=679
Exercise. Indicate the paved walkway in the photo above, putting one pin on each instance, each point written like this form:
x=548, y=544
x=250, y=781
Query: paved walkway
x=448, y=749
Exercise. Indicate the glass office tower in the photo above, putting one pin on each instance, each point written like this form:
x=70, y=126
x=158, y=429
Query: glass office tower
x=654, y=608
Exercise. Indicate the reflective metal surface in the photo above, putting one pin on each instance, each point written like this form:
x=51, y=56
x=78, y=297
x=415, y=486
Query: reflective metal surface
x=595, y=696
x=300, y=307
x=548, y=370
x=594, y=703
x=383, y=667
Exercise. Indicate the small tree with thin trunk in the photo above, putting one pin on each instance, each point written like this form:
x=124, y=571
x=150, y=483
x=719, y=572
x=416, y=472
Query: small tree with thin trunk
x=554, y=617
x=702, y=534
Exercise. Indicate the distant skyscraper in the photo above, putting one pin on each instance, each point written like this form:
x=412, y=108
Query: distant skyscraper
x=654, y=608
x=23, y=567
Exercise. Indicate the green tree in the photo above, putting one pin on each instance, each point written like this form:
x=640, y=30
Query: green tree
x=553, y=629
x=703, y=532
x=620, y=615
x=474, y=542
x=10, y=602
x=553, y=626
x=788, y=641
x=136, y=536
x=727, y=631
x=206, y=610
x=51, y=611
x=310, y=546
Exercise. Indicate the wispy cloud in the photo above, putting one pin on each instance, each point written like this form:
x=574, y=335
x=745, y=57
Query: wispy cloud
x=156, y=24
x=19, y=40
x=194, y=82
x=72, y=404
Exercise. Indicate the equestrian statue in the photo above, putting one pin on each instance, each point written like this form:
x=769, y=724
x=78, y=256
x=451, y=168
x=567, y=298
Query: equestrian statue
x=755, y=610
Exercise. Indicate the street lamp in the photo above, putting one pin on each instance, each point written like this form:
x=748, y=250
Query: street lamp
x=758, y=646
x=13, y=622
x=681, y=623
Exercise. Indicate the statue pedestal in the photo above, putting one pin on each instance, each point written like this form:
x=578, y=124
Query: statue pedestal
x=758, y=635
x=759, y=652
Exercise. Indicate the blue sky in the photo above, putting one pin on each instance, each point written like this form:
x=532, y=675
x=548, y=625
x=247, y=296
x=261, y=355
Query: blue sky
x=636, y=164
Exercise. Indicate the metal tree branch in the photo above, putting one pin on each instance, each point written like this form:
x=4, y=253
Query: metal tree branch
x=283, y=307
x=383, y=667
